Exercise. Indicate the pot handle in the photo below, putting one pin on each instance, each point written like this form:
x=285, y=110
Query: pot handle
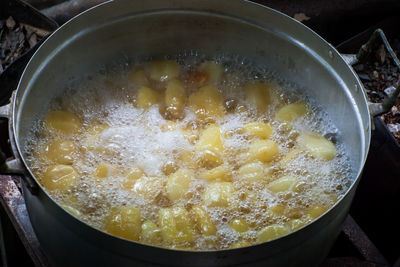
x=376, y=109
x=15, y=166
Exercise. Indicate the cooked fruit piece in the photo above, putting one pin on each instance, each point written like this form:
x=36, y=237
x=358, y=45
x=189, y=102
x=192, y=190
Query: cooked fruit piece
x=214, y=70
x=146, y=97
x=271, y=232
x=178, y=184
x=289, y=157
x=59, y=177
x=282, y=184
x=252, y=172
x=131, y=176
x=318, y=146
x=258, y=129
x=124, y=222
x=176, y=228
x=291, y=112
x=220, y=173
x=218, y=194
x=257, y=96
x=210, y=145
x=175, y=97
x=60, y=151
x=316, y=211
x=295, y=224
x=163, y=70
x=203, y=221
x=63, y=121
x=148, y=187
x=263, y=150
x=151, y=233
x=207, y=102
x=239, y=225
x=105, y=170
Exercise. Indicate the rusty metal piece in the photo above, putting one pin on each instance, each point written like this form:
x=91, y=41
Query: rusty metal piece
x=363, y=244
x=13, y=202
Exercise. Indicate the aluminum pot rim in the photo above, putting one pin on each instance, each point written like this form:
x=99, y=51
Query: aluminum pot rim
x=17, y=151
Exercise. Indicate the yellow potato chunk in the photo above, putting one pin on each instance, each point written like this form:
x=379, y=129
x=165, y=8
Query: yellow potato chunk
x=252, y=172
x=207, y=102
x=148, y=187
x=131, y=176
x=63, y=121
x=291, y=112
x=146, y=97
x=258, y=129
x=282, y=184
x=271, y=232
x=203, y=221
x=239, y=225
x=164, y=70
x=60, y=151
x=59, y=177
x=176, y=228
x=318, y=146
x=139, y=78
x=213, y=70
x=263, y=150
x=175, y=97
x=105, y=170
x=316, y=211
x=257, y=95
x=210, y=145
x=125, y=222
x=151, y=233
x=240, y=244
x=218, y=194
x=178, y=184
x=220, y=173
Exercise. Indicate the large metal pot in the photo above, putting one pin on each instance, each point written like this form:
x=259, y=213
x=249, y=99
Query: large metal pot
x=125, y=28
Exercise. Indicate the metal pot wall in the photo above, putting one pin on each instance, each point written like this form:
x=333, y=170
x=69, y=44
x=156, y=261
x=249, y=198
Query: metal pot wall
x=120, y=29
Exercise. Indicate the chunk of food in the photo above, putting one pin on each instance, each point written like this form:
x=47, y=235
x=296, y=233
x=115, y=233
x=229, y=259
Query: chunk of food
x=271, y=232
x=214, y=70
x=105, y=170
x=72, y=210
x=316, y=211
x=90, y=138
x=284, y=183
x=289, y=157
x=163, y=70
x=176, y=228
x=63, y=121
x=210, y=145
x=175, y=97
x=139, y=78
x=131, y=176
x=203, y=221
x=146, y=97
x=291, y=112
x=263, y=150
x=60, y=151
x=317, y=146
x=207, y=102
x=125, y=222
x=218, y=194
x=220, y=173
x=178, y=184
x=252, y=172
x=258, y=129
x=258, y=96
x=59, y=177
x=239, y=225
x=148, y=187
x=151, y=233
